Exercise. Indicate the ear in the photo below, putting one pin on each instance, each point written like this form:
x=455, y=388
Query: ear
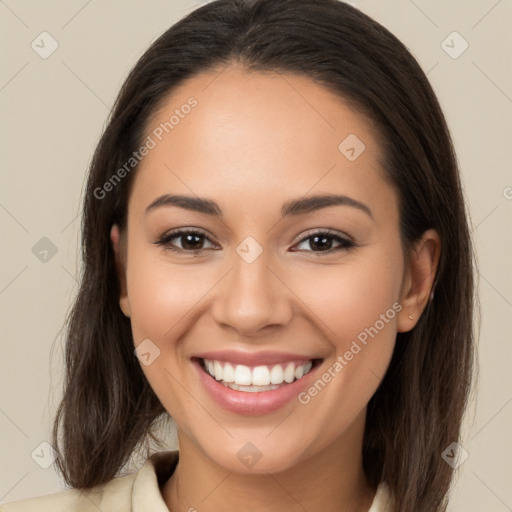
x=420, y=272
x=119, y=246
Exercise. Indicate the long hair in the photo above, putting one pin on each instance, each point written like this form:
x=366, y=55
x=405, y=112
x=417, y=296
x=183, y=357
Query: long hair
x=108, y=408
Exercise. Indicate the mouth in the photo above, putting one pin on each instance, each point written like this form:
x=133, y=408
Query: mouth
x=255, y=388
x=256, y=379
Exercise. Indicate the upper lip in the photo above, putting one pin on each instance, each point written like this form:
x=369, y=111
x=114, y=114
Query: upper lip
x=253, y=358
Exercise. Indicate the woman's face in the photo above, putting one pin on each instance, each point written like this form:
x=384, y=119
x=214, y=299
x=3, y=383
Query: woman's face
x=270, y=293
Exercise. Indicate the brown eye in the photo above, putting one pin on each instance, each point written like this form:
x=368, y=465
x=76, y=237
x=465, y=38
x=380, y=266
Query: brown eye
x=322, y=241
x=189, y=241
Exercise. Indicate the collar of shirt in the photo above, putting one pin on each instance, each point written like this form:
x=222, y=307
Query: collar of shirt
x=146, y=494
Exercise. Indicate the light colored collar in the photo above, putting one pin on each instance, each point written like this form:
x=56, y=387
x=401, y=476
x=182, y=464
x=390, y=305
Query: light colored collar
x=382, y=500
x=146, y=492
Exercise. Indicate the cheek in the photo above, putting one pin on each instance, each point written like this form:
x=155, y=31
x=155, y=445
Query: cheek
x=358, y=306
x=163, y=299
x=357, y=295
x=161, y=295
x=367, y=301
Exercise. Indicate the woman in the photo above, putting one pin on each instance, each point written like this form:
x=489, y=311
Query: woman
x=277, y=256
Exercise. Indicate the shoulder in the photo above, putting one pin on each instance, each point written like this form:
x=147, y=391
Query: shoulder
x=132, y=492
x=115, y=495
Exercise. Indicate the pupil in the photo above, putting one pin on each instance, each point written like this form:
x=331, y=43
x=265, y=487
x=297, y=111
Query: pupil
x=323, y=244
x=188, y=244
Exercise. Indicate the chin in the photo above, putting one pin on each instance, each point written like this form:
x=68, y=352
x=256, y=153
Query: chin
x=248, y=455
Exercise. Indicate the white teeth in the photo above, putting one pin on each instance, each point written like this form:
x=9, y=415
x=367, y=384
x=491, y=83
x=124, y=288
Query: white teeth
x=229, y=373
x=259, y=378
x=217, y=369
x=289, y=373
x=250, y=389
x=243, y=376
x=276, y=374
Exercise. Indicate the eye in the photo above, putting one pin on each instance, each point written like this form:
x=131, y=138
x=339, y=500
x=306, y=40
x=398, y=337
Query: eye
x=190, y=241
x=322, y=241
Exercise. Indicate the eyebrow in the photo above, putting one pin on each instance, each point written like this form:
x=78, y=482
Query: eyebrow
x=290, y=208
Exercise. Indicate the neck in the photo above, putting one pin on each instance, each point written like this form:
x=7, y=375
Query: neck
x=331, y=480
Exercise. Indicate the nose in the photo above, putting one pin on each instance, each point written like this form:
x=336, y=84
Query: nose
x=252, y=298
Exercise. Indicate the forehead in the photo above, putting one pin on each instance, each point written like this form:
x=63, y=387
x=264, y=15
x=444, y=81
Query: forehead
x=259, y=134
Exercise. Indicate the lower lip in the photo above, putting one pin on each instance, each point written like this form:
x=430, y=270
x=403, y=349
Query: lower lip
x=261, y=402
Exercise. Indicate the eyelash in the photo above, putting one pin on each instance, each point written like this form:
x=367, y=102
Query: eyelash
x=346, y=244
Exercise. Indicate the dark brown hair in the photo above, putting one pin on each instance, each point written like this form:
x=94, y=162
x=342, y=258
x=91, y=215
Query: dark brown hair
x=109, y=409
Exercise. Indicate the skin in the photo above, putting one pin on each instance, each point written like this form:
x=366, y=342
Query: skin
x=255, y=141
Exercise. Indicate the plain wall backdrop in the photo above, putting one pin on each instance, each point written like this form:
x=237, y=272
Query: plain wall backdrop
x=53, y=109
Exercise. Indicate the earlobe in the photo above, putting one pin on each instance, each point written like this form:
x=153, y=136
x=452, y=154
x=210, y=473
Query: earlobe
x=421, y=271
x=118, y=245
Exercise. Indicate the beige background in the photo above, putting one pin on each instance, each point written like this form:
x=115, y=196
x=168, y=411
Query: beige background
x=52, y=113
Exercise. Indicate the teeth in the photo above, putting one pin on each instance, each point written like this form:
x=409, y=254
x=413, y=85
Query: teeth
x=259, y=378
x=276, y=374
x=243, y=375
x=289, y=373
x=229, y=373
x=250, y=389
x=217, y=370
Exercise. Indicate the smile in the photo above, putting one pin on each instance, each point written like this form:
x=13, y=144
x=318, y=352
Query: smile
x=258, y=378
x=254, y=384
